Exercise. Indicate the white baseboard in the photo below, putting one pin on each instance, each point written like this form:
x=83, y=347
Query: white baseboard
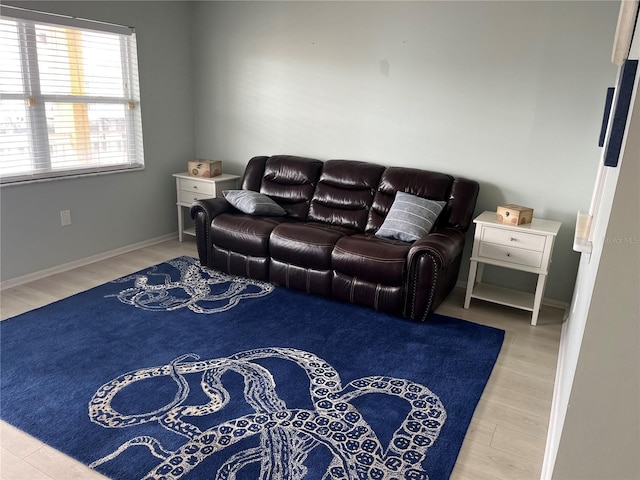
x=550, y=302
x=30, y=277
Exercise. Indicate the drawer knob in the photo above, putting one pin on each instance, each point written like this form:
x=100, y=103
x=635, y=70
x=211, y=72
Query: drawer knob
x=513, y=239
x=508, y=254
x=195, y=187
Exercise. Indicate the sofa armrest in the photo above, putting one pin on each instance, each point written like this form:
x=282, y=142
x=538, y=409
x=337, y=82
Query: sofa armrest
x=203, y=212
x=432, y=270
x=444, y=244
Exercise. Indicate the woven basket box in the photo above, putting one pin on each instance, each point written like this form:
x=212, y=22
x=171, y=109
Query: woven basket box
x=205, y=168
x=514, y=214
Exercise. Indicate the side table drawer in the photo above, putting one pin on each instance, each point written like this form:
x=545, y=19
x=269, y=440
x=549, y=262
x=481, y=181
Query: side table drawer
x=518, y=256
x=509, y=238
x=186, y=198
x=199, y=187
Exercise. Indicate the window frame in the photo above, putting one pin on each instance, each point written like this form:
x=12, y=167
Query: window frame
x=36, y=102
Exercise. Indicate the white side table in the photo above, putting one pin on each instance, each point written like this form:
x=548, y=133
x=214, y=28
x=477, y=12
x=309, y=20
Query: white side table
x=527, y=248
x=189, y=189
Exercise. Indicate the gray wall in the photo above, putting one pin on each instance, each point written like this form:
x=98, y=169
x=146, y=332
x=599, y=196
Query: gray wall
x=113, y=211
x=508, y=93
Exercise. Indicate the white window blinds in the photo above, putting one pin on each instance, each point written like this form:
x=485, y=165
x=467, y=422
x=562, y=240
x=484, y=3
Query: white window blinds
x=69, y=97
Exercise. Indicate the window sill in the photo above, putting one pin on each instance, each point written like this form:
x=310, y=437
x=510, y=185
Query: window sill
x=27, y=180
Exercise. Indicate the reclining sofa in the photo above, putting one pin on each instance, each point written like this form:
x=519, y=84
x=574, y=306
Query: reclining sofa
x=327, y=239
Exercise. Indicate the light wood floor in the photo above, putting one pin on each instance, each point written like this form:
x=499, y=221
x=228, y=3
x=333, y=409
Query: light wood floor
x=507, y=435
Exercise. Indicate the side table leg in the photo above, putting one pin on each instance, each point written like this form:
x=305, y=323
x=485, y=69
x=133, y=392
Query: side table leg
x=470, y=283
x=537, y=299
x=480, y=272
x=180, y=223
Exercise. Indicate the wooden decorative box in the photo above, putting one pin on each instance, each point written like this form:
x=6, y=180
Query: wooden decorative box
x=205, y=168
x=514, y=214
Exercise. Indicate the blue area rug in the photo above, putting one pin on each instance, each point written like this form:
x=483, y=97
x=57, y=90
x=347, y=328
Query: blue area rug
x=181, y=372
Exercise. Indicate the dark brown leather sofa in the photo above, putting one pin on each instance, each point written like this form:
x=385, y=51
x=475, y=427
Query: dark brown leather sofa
x=326, y=242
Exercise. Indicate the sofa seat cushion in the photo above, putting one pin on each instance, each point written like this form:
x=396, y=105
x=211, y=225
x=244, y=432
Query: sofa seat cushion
x=245, y=234
x=370, y=258
x=305, y=244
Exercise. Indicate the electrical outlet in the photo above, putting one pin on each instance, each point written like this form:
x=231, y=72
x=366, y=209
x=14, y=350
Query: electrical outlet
x=65, y=217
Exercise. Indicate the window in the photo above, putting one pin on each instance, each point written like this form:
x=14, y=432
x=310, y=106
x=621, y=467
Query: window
x=69, y=97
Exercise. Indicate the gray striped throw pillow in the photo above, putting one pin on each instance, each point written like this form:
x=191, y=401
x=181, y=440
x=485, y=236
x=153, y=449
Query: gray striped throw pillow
x=253, y=203
x=410, y=217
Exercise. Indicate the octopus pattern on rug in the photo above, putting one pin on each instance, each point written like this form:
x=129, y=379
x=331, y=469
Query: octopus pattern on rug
x=194, y=288
x=287, y=434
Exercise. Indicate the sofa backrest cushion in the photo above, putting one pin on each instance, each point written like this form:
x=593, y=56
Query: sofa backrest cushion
x=422, y=183
x=252, y=178
x=461, y=204
x=345, y=193
x=287, y=179
x=353, y=194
